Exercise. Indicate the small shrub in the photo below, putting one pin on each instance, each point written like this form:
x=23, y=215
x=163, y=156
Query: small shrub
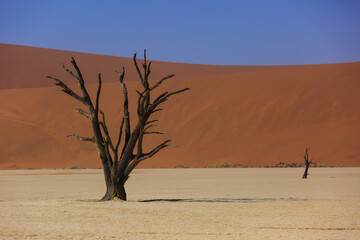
x=321, y=165
x=224, y=165
x=180, y=166
x=220, y=165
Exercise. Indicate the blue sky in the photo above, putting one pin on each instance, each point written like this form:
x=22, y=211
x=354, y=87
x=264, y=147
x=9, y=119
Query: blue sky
x=222, y=32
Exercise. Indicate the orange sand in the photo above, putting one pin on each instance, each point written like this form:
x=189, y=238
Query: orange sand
x=238, y=114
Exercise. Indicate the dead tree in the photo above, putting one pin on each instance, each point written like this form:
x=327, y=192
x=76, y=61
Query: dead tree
x=307, y=162
x=117, y=164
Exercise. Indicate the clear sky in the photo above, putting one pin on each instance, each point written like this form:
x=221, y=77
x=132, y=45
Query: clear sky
x=253, y=32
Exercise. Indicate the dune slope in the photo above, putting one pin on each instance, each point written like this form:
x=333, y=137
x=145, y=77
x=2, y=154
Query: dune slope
x=254, y=116
x=27, y=67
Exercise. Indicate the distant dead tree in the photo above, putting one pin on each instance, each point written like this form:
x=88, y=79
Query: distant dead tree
x=117, y=165
x=307, y=162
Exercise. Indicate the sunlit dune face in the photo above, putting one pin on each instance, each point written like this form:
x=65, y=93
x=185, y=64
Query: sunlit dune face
x=248, y=116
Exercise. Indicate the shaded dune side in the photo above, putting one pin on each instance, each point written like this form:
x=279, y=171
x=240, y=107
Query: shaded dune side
x=27, y=67
x=254, y=118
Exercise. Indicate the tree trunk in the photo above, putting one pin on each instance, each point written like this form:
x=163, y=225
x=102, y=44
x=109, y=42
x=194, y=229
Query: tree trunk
x=120, y=192
x=306, y=170
x=115, y=184
x=114, y=189
x=307, y=163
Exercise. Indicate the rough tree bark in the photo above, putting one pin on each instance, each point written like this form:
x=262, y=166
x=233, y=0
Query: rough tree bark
x=307, y=163
x=117, y=165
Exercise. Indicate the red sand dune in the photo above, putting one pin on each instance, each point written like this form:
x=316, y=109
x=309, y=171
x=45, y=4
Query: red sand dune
x=251, y=115
x=27, y=67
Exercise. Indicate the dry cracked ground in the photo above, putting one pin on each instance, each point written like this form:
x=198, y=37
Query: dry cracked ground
x=251, y=203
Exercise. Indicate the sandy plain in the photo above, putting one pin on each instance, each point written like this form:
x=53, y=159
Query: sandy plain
x=253, y=203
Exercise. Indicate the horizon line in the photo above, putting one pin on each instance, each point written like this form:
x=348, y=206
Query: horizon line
x=203, y=64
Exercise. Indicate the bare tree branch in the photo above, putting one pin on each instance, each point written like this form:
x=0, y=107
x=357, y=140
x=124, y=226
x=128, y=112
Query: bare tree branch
x=106, y=131
x=126, y=110
x=85, y=139
x=108, y=155
x=157, y=110
x=79, y=77
x=120, y=135
x=144, y=103
x=71, y=73
x=145, y=67
x=160, y=133
x=83, y=112
x=176, y=92
x=152, y=121
x=98, y=95
x=86, y=96
x=121, y=75
x=138, y=70
x=148, y=70
x=136, y=161
x=140, y=94
x=150, y=126
x=160, y=82
x=66, y=89
x=156, y=150
x=162, y=98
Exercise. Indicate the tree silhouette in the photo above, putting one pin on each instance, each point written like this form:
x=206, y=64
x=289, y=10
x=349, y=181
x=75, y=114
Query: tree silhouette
x=307, y=162
x=118, y=164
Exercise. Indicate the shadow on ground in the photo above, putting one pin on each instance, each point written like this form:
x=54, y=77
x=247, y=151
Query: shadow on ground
x=223, y=200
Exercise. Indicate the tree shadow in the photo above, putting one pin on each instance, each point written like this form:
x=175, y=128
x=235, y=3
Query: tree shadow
x=224, y=200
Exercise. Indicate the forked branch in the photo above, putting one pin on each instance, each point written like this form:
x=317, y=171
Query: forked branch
x=160, y=82
x=106, y=131
x=126, y=117
x=66, y=89
x=136, y=161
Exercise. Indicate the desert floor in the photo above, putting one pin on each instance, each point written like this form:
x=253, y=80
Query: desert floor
x=249, y=203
